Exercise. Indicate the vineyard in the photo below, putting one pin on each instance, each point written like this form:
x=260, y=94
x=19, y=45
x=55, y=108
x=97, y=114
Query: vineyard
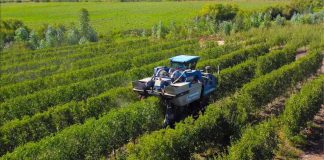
x=76, y=102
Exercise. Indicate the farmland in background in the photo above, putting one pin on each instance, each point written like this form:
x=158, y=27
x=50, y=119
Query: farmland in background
x=112, y=16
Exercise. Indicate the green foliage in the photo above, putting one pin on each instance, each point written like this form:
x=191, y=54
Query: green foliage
x=86, y=30
x=95, y=137
x=33, y=128
x=219, y=12
x=73, y=36
x=235, y=57
x=187, y=136
x=21, y=34
x=301, y=107
x=257, y=142
x=51, y=38
x=280, y=20
x=227, y=27
x=263, y=89
x=8, y=28
x=276, y=59
x=226, y=118
x=234, y=77
x=33, y=40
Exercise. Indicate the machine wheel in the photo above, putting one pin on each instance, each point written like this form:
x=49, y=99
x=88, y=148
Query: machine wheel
x=169, y=115
x=141, y=97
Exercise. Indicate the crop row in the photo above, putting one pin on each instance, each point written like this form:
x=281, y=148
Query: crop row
x=96, y=106
x=231, y=79
x=112, y=66
x=40, y=101
x=301, y=107
x=38, y=118
x=14, y=140
x=93, y=47
x=261, y=141
x=18, y=132
x=224, y=118
x=56, y=60
x=235, y=57
x=13, y=78
x=68, y=57
x=87, y=141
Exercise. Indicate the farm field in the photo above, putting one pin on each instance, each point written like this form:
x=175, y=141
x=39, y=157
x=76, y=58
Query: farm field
x=112, y=16
x=66, y=102
x=70, y=94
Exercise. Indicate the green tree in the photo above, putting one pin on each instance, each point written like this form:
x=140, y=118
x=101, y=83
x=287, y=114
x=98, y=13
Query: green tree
x=73, y=36
x=33, y=40
x=51, y=37
x=85, y=28
x=21, y=34
x=219, y=12
x=280, y=20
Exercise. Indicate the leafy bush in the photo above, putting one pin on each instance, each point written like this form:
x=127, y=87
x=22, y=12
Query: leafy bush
x=257, y=142
x=263, y=89
x=219, y=12
x=301, y=107
x=280, y=20
x=276, y=59
x=21, y=34
x=95, y=137
x=33, y=128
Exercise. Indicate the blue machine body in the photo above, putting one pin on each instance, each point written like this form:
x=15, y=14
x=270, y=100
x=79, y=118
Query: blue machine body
x=179, y=85
x=185, y=65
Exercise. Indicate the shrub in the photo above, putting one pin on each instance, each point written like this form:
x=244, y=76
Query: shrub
x=219, y=12
x=280, y=20
x=33, y=40
x=301, y=107
x=21, y=34
x=257, y=142
x=73, y=36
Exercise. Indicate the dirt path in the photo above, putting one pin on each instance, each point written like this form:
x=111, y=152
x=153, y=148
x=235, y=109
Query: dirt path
x=315, y=138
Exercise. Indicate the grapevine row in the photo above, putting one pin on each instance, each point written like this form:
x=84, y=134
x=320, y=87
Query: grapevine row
x=260, y=141
x=112, y=66
x=12, y=78
x=10, y=127
x=224, y=118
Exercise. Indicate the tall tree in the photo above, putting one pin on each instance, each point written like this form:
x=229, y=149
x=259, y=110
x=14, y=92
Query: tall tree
x=84, y=22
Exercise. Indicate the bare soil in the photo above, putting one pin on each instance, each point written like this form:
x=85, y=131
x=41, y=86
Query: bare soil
x=314, y=150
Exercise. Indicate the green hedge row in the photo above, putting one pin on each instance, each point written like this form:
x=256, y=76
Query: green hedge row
x=260, y=141
x=29, y=87
x=19, y=132
x=61, y=52
x=235, y=57
x=276, y=59
x=42, y=100
x=114, y=65
x=20, y=140
x=234, y=77
x=41, y=117
x=265, y=88
x=257, y=142
x=301, y=107
x=34, y=64
x=222, y=119
x=8, y=79
x=96, y=137
x=101, y=59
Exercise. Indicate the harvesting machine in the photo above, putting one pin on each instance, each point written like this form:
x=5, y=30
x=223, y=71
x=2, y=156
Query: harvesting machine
x=182, y=89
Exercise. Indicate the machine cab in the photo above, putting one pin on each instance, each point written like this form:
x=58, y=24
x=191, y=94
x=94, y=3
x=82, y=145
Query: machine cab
x=184, y=62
